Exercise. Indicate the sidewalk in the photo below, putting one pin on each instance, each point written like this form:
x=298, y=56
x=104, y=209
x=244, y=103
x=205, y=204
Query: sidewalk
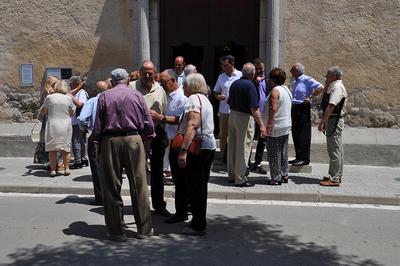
x=361, y=184
x=362, y=146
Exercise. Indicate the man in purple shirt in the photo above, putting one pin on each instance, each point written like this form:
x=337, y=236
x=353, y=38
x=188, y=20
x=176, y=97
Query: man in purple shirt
x=303, y=88
x=122, y=121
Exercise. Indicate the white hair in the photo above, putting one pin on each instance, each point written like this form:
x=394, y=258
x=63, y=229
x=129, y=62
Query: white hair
x=189, y=69
x=299, y=67
x=336, y=71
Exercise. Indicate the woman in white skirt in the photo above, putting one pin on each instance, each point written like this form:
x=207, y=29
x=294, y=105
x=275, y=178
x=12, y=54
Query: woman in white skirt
x=59, y=109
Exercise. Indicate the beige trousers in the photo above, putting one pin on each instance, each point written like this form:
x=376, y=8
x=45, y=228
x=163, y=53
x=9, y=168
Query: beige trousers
x=241, y=133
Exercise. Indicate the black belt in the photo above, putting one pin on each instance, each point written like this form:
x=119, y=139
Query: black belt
x=121, y=134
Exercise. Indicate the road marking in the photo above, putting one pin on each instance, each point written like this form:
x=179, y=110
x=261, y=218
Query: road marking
x=238, y=202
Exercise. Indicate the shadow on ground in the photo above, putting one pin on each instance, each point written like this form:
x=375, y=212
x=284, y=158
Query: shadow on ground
x=36, y=170
x=234, y=241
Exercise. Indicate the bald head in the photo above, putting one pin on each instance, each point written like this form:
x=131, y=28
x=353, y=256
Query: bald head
x=297, y=70
x=147, y=74
x=179, y=64
x=101, y=86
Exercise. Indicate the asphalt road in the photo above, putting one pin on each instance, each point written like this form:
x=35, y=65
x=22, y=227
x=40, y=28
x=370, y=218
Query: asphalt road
x=64, y=230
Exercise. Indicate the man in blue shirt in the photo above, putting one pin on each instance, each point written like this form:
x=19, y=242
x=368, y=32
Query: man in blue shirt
x=243, y=104
x=304, y=88
x=86, y=119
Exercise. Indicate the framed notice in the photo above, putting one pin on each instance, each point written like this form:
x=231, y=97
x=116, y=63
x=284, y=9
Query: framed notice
x=26, y=74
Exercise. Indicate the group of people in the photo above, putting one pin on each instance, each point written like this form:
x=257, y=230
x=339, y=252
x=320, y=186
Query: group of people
x=148, y=116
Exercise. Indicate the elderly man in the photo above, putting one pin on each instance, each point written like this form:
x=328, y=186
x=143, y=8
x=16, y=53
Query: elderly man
x=244, y=105
x=262, y=91
x=156, y=100
x=221, y=92
x=79, y=97
x=179, y=66
x=86, y=119
x=175, y=108
x=304, y=88
x=189, y=69
x=122, y=123
x=332, y=124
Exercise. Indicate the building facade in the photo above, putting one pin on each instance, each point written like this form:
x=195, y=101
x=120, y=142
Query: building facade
x=96, y=36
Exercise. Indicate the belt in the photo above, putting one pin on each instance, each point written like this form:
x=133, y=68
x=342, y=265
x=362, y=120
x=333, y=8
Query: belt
x=121, y=134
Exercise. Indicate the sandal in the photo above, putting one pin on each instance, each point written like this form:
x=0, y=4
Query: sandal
x=274, y=183
x=53, y=173
x=285, y=179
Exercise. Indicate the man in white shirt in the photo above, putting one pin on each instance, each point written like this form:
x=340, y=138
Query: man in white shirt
x=179, y=66
x=332, y=124
x=221, y=92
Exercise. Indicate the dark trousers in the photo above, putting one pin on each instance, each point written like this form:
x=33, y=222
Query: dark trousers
x=78, y=144
x=260, y=146
x=301, y=131
x=156, y=165
x=197, y=173
x=94, y=168
x=118, y=153
x=181, y=184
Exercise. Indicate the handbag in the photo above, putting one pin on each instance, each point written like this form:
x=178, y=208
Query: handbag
x=35, y=131
x=195, y=146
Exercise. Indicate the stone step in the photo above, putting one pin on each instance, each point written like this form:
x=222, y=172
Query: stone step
x=362, y=146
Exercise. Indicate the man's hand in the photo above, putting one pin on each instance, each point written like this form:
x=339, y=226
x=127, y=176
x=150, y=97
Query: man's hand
x=263, y=132
x=321, y=126
x=156, y=117
x=221, y=97
x=182, y=159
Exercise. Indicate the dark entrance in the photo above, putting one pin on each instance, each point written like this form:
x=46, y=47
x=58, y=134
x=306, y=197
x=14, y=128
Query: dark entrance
x=204, y=30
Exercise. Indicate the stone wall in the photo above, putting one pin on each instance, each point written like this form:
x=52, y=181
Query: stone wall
x=363, y=37
x=91, y=36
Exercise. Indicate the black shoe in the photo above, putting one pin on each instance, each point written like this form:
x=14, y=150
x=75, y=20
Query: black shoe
x=245, y=184
x=253, y=166
x=274, y=183
x=300, y=163
x=163, y=212
x=76, y=166
x=176, y=219
x=85, y=162
x=292, y=161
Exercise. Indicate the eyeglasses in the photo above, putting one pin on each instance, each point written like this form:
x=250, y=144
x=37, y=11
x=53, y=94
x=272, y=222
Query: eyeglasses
x=164, y=81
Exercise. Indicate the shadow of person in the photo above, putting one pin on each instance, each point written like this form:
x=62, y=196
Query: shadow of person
x=36, y=170
x=83, y=178
x=76, y=200
x=304, y=180
x=87, y=231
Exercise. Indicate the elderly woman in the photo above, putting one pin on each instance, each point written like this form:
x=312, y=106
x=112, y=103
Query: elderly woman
x=277, y=117
x=41, y=156
x=59, y=109
x=197, y=122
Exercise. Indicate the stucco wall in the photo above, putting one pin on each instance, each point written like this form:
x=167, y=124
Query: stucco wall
x=90, y=36
x=363, y=37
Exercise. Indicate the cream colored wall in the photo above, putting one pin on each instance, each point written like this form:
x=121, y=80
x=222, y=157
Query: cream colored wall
x=363, y=37
x=90, y=35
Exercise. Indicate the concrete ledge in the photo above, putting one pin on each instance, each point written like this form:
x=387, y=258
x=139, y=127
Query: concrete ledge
x=243, y=194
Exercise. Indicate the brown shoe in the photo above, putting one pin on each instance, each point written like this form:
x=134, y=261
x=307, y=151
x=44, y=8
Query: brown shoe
x=326, y=178
x=330, y=183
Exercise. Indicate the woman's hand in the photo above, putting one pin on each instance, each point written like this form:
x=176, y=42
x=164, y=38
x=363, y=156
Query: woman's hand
x=182, y=159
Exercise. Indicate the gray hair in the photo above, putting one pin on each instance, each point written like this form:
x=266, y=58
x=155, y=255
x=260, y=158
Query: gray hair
x=196, y=83
x=336, y=71
x=76, y=80
x=299, y=67
x=189, y=69
x=61, y=87
x=248, y=71
x=172, y=74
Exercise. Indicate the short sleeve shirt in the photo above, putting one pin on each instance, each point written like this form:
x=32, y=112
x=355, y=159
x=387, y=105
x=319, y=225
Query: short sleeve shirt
x=243, y=96
x=337, y=92
x=222, y=86
x=303, y=87
x=156, y=99
x=81, y=96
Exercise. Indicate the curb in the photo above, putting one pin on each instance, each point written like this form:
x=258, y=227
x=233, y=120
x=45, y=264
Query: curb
x=237, y=194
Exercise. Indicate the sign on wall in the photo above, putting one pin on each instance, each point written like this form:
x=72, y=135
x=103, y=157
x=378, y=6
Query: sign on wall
x=26, y=75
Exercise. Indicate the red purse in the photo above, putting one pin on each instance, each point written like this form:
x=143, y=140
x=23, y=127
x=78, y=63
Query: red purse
x=195, y=146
